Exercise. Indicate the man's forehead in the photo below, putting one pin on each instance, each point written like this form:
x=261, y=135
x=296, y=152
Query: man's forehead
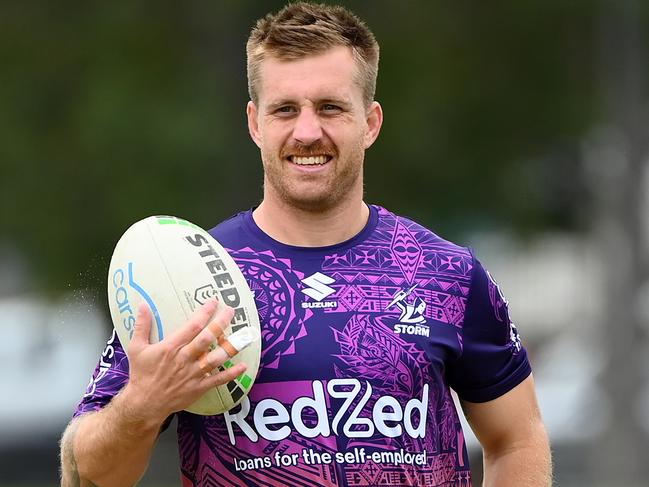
x=332, y=74
x=337, y=53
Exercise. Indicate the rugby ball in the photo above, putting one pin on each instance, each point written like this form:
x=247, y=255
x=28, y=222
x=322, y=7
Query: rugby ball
x=175, y=266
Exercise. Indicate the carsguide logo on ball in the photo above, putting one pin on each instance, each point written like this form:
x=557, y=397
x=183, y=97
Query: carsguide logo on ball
x=123, y=281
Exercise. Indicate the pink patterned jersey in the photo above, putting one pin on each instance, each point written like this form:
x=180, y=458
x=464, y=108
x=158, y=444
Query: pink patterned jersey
x=362, y=342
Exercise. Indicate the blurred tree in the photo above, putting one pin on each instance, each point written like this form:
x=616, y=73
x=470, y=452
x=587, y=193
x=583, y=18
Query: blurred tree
x=485, y=104
x=111, y=113
x=617, y=168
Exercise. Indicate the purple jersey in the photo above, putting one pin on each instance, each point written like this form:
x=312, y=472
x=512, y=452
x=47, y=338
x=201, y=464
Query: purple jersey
x=361, y=343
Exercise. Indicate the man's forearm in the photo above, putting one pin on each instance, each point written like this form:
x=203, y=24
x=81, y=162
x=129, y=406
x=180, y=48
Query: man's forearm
x=108, y=448
x=529, y=465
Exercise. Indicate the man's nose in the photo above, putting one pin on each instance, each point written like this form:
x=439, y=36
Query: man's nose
x=307, y=127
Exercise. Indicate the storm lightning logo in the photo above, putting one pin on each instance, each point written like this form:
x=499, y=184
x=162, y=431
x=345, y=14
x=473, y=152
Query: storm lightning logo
x=412, y=320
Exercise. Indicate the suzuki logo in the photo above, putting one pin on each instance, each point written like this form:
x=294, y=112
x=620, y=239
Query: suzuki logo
x=318, y=288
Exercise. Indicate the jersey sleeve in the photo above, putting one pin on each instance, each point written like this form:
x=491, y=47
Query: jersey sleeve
x=110, y=375
x=493, y=360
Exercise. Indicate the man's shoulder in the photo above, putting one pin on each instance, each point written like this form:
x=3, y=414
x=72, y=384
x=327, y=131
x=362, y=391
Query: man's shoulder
x=229, y=231
x=405, y=229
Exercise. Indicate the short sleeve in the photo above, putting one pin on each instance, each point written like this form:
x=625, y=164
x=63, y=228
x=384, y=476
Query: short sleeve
x=493, y=360
x=109, y=377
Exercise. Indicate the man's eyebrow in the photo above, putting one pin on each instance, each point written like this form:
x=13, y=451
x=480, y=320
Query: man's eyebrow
x=275, y=104
x=279, y=103
x=343, y=102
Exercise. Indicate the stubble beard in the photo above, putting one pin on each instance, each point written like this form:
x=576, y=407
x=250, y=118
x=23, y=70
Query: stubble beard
x=330, y=193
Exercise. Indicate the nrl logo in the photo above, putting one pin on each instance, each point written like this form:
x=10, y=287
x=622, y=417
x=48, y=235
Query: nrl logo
x=412, y=320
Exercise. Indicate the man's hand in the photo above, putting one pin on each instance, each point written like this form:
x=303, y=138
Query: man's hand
x=168, y=376
x=111, y=447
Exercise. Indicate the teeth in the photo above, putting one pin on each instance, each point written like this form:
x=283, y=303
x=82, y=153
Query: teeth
x=309, y=161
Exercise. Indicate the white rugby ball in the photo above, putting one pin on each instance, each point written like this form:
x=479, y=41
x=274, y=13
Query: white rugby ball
x=175, y=266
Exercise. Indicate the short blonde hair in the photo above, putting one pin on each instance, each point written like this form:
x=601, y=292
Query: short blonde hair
x=302, y=29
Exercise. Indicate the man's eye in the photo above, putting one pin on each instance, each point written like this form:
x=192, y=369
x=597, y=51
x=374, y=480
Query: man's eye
x=330, y=108
x=285, y=109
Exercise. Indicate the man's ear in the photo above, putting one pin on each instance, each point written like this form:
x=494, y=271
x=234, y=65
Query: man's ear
x=374, y=120
x=253, y=123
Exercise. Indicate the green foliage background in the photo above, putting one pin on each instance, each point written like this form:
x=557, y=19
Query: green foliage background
x=112, y=111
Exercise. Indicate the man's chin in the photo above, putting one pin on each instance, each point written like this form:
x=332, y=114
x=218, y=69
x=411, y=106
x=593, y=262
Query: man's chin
x=315, y=202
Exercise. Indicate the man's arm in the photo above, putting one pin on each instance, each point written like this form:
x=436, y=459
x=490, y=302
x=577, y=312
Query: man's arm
x=112, y=447
x=513, y=438
x=69, y=473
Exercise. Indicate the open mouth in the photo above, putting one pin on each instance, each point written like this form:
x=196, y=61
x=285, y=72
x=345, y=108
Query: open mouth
x=310, y=160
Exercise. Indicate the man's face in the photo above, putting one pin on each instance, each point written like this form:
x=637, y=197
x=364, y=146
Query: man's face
x=312, y=128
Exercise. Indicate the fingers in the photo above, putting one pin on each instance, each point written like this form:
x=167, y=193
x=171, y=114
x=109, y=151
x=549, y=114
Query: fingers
x=227, y=348
x=194, y=325
x=142, y=326
x=238, y=340
x=210, y=334
x=221, y=320
x=210, y=361
x=227, y=375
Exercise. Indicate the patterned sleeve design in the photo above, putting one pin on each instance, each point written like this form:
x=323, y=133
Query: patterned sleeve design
x=110, y=375
x=493, y=360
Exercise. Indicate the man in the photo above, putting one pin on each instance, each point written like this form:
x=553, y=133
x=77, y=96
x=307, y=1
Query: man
x=368, y=319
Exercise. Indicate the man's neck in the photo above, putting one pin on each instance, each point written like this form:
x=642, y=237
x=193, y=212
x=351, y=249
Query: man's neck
x=293, y=226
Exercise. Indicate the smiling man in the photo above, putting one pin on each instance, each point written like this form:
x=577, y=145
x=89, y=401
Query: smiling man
x=368, y=319
x=312, y=125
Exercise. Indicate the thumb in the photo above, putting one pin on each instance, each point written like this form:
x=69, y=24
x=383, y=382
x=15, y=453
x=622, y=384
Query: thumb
x=142, y=326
